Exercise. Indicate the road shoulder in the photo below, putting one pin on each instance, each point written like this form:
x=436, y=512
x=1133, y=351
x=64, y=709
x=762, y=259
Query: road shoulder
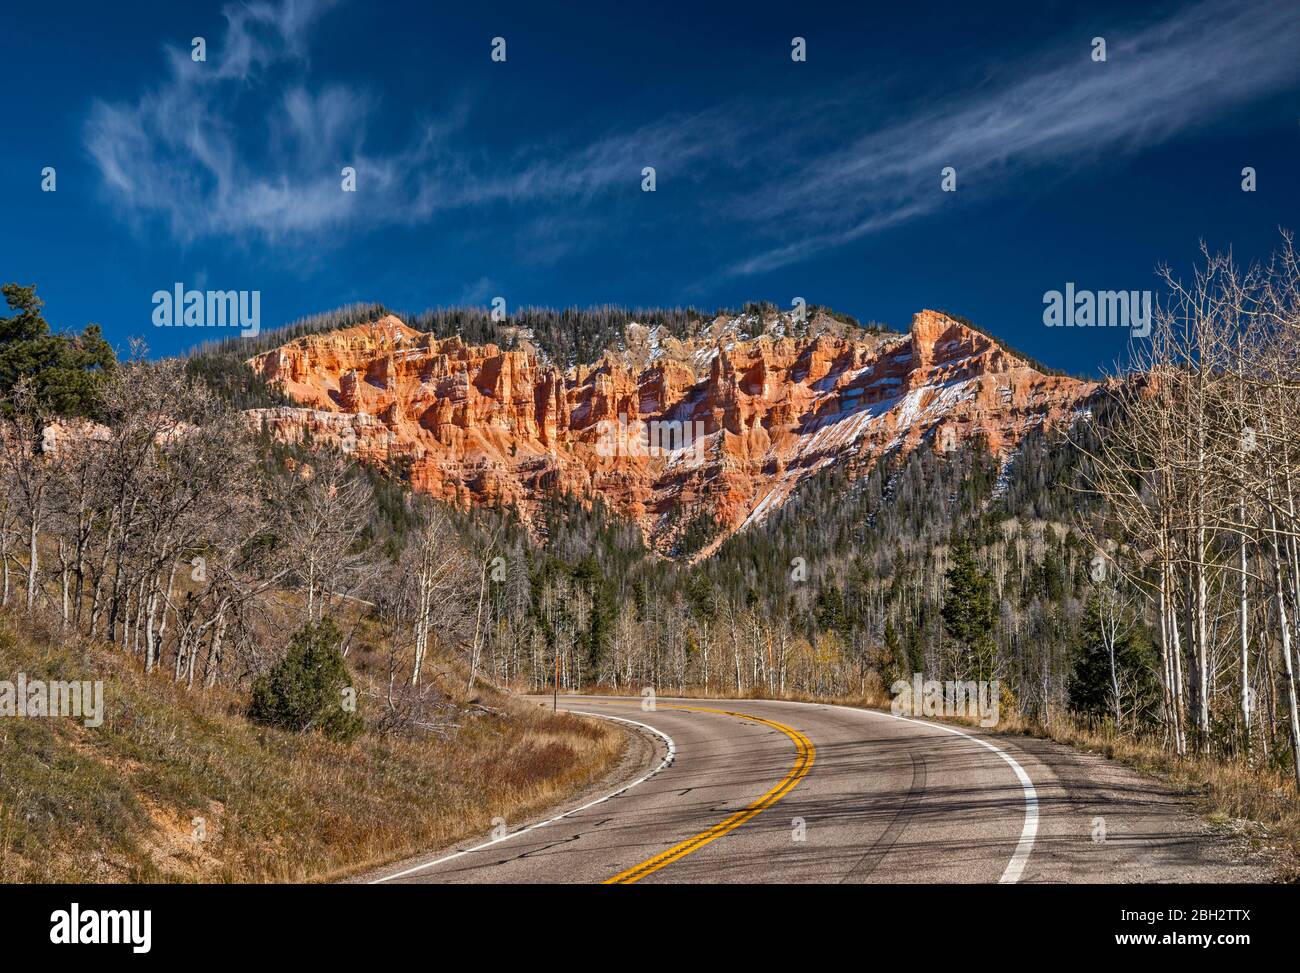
x=642, y=752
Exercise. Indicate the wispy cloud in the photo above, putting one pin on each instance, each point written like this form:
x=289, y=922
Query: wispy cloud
x=1066, y=110
x=231, y=148
x=216, y=149
x=175, y=152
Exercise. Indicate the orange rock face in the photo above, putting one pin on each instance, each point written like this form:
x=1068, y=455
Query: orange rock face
x=725, y=425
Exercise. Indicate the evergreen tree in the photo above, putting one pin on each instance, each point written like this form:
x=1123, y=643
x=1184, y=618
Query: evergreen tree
x=968, y=610
x=1090, y=687
x=603, y=614
x=66, y=372
x=899, y=665
x=700, y=596
x=832, y=615
x=306, y=689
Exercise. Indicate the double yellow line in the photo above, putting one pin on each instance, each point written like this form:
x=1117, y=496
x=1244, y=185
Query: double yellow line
x=805, y=753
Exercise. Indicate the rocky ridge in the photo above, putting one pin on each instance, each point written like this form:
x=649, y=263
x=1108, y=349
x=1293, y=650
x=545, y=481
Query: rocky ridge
x=723, y=425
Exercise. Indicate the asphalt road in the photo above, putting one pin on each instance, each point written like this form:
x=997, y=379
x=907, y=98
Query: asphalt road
x=722, y=791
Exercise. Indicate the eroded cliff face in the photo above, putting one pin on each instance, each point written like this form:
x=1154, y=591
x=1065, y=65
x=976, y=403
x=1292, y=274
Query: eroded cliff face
x=724, y=424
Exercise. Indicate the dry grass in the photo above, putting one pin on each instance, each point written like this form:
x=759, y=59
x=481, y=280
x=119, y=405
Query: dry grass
x=118, y=803
x=1257, y=800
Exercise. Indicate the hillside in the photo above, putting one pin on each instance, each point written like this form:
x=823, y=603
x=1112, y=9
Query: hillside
x=706, y=433
x=864, y=506
x=179, y=786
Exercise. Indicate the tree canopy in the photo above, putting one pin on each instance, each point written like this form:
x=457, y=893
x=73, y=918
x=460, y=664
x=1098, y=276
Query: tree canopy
x=65, y=371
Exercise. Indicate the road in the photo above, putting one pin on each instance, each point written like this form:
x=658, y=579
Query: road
x=722, y=791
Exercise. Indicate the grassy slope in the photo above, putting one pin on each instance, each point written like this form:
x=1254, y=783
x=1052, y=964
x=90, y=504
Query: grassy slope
x=117, y=803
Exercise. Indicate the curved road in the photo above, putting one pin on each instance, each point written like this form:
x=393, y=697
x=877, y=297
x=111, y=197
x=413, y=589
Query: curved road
x=763, y=791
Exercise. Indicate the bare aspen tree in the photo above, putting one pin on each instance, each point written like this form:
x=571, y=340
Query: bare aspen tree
x=475, y=643
x=326, y=523
x=1199, y=476
x=435, y=562
x=27, y=469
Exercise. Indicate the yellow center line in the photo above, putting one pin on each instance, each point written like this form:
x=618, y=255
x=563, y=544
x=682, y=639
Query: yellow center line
x=805, y=753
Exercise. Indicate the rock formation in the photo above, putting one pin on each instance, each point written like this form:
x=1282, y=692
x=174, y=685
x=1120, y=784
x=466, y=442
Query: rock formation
x=724, y=424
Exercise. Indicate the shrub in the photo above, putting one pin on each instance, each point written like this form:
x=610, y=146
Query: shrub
x=308, y=688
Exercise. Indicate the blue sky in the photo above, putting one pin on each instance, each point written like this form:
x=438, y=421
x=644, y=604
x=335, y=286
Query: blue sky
x=775, y=179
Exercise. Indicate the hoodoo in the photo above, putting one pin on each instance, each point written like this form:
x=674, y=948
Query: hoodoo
x=481, y=424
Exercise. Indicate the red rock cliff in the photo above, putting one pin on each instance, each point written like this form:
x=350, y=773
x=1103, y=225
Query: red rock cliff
x=725, y=425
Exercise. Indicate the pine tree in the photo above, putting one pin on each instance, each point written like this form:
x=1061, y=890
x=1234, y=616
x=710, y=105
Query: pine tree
x=1091, y=685
x=603, y=613
x=968, y=610
x=66, y=372
x=309, y=688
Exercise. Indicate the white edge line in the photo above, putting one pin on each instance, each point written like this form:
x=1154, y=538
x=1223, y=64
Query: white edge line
x=668, y=759
x=1028, y=831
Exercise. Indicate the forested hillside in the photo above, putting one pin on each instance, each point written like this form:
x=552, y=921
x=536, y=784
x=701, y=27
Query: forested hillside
x=841, y=591
x=954, y=564
x=248, y=616
x=1133, y=571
